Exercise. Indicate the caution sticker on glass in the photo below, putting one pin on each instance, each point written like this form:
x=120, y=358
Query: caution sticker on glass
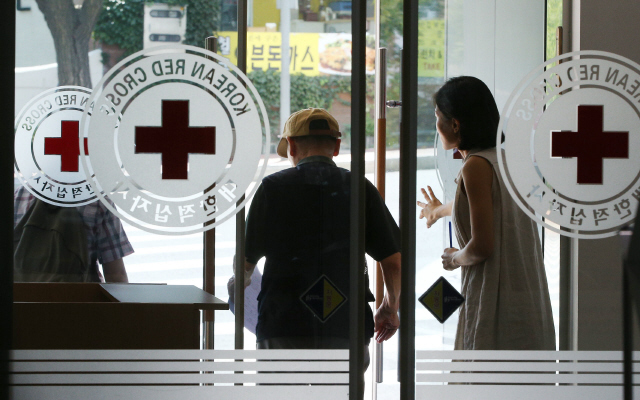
x=441, y=299
x=323, y=298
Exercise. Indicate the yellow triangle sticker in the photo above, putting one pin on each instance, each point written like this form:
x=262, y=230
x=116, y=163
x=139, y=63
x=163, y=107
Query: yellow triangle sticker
x=332, y=299
x=441, y=299
x=433, y=300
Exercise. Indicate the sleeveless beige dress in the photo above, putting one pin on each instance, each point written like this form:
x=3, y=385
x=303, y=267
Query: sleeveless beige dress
x=507, y=304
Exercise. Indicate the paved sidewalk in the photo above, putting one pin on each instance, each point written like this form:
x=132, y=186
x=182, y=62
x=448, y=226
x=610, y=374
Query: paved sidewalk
x=426, y=160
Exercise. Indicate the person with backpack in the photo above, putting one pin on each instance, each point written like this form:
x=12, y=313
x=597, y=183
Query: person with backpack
x=65, y=244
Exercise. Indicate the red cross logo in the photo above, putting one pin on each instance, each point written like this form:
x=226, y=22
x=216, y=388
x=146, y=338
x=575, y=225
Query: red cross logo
x=66, y=146
x=591, y=144
x=175, y=139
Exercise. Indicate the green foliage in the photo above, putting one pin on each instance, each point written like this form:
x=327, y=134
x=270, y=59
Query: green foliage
x=390, y=22
x=121, y=22
x=267, y=84
x=317, y=91
x=391, y=32
x=310, y=91
x=306, y=91
x=202, y=19
x=391, y=14
x=554, y=20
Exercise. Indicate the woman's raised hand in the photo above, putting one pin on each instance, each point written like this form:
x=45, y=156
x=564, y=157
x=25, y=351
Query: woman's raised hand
x=432, y=208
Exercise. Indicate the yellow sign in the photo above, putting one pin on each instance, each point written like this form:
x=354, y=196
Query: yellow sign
x=441, y=299
x=433, y=300
x=311, y=54
x=431, y=48
x=328, y=53
x=332, y=299
x=264, y=51
x=323, y=298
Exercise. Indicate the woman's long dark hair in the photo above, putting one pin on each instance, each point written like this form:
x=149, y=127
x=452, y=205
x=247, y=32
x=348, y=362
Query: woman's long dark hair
x=470, y=101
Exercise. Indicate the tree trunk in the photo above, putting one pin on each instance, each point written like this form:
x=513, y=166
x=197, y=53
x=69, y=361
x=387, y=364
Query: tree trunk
x=71, y=31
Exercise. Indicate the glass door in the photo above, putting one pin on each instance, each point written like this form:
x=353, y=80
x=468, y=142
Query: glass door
x=273, y=59
x=499, y=43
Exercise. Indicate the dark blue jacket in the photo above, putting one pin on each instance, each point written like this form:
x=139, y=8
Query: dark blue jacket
x=299, y=220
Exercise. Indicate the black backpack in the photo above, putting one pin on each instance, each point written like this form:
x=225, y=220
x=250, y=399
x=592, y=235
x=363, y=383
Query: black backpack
x=50, y=245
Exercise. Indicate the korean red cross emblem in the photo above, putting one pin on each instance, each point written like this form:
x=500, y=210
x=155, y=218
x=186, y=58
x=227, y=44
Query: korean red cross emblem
x=177, y=140
x=572, y=135
x=47, y=147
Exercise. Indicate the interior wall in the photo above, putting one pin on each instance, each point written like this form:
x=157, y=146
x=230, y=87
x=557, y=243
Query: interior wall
x=471, y=39
x=612, y=27
x=600, y=294
x=497, y=41
x=519, y=43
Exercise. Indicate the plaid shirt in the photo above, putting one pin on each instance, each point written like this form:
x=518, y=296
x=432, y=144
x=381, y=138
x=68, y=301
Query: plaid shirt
x=105, y=235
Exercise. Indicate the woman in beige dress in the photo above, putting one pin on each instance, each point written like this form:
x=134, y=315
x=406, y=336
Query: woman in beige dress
x=507, y=304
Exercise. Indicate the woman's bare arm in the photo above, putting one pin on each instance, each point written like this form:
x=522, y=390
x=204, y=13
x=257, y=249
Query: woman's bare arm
x=477, y=175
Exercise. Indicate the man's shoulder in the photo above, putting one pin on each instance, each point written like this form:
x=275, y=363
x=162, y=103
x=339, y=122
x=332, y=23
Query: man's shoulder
x=283, y=175
x=21, y=193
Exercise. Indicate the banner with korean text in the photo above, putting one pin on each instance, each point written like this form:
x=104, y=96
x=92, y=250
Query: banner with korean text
x=316, y=54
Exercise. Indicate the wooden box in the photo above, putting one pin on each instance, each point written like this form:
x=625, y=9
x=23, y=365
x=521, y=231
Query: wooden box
x=108, y=316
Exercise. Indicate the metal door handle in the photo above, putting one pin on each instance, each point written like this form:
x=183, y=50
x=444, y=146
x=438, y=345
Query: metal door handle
x=394, y=103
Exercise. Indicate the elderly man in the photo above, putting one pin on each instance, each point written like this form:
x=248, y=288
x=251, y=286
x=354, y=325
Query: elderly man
x=299, y=221
x=56, y=248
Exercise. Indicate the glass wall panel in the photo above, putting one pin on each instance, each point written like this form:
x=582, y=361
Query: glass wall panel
x=497, y=42
x=120, y=29
x=318, y=36
x=110, y=31
x=552, y=239
x=430, y=334
x=317, y=41
x=304, y=286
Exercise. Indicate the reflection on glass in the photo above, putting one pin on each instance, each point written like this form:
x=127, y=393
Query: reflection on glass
x=319, y=60
x=65, y=244
x=319, y=76
x=125, y=27
x=299, y=221
x=121, y=28
x=507, y=304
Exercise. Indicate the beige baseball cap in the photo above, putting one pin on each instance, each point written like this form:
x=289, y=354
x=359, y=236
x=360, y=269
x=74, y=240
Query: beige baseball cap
x=300, y=124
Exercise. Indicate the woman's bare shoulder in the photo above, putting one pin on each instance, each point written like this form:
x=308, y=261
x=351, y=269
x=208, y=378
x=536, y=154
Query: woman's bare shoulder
x=477, y=169
x=475, y=163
